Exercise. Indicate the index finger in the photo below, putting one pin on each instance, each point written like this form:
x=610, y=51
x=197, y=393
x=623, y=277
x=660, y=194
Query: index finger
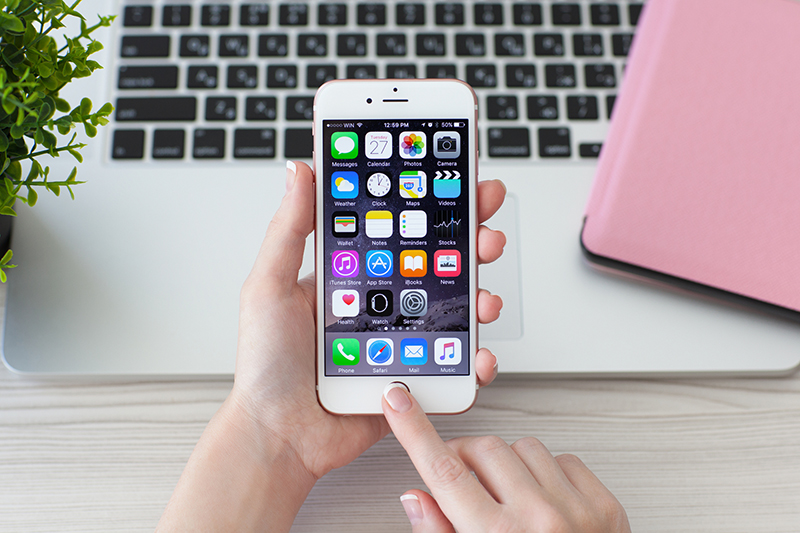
x=459, y=495
x=491, y=195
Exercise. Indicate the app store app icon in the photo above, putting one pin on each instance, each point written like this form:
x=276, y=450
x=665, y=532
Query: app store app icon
x=379, y=263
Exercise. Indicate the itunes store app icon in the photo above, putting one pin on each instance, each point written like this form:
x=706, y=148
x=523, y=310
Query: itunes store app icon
x=345, y=264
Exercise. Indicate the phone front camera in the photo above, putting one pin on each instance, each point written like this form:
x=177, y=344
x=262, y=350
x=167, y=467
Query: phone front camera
x=395, y=89
x=369, y=100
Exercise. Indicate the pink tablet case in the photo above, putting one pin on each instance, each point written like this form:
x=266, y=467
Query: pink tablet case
x=699, y=178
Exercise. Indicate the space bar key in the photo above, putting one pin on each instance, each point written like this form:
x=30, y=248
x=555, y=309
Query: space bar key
x=177, y=108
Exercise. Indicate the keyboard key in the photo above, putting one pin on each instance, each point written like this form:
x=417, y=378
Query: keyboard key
x=482, y=75
x=560, y=75
x=168, y=144
x=209, y=144
x=509, y=142
x=137, y=16
x=173, y=109
x=254, y=143
x=260, y=108
x=148, y=77
x=587, y=44
x=273, y=45
x=509, y=44
x=447, y=71
x=408, y=71
x=605, y=14
x=590, y=150
x=621, y=43
x=634, y=12
x=582, y=108
x=449, y=14
x=299, y=143
x=128, y=144
x=548, y=44
x=566, y=14
x=410, y=14
x=242, y=77
x=145, y=46
x=610, y=101
x=371, y=15
x=600, y=75
x=488, y=14
x=522, y=75
x=501, y=107
x=391, y=44
x=312, y=45
x=431, y=44
x=233, y=46
x=194, y=46
x=527, y=14
x=216, y=15
x=254, y=15
x=554, y=142
x=202, y=77
x=221, y=108
x=351, y=45
x=362, y=72
x=281, y=76
x=543, y=107
x=300, y=108
x=332, y=14
x=293, y=15
x=176, y=15
x=470, y=44
x=316, y=75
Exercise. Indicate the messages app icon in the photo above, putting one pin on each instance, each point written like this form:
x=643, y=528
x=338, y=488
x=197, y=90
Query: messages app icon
x=344, y=145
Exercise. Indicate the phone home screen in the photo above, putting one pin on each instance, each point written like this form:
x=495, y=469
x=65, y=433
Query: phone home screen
x=396, y=247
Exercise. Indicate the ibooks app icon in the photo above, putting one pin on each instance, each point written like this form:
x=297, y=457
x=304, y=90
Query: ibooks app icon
x=413, y=263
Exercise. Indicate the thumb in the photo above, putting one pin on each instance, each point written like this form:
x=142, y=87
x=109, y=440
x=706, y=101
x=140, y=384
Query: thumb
x=424, y=514
x=281, y=253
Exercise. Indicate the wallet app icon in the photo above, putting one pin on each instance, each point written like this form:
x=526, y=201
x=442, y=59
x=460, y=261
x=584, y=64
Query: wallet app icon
x=414, y=352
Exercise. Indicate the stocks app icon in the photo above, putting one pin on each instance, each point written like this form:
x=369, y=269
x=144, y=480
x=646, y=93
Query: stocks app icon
x=447, y=224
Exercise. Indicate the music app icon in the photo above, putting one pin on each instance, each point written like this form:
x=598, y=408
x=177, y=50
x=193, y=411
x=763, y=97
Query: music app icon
x=345, y=263
x=447, y=351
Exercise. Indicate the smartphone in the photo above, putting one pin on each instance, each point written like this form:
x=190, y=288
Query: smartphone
x=396, y=267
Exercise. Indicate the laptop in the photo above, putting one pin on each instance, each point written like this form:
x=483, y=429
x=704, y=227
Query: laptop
x=141, y=273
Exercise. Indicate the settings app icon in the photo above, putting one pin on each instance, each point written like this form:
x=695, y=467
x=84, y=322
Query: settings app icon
x=413, y=302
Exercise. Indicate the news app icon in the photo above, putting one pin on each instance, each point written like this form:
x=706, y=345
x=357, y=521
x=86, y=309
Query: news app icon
x=345, y=224
x=345, y=263
x=447, y=351
x=447, y=263
x=413, y=352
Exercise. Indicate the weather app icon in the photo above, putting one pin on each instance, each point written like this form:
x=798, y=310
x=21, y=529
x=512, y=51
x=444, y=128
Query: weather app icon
x=379, y=263
x=344, y=185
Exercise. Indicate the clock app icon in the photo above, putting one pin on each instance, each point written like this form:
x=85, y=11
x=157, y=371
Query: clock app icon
x=378, y=185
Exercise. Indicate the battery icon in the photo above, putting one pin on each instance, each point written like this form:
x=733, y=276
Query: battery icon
x=458, y=124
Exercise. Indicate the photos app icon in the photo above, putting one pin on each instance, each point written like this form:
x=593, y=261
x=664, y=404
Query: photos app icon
x=413, y=145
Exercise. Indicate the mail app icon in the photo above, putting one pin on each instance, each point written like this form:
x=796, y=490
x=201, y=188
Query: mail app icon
x=414, y=352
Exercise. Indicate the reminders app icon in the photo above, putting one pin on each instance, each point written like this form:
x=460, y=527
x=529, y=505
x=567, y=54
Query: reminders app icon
x=414, y=352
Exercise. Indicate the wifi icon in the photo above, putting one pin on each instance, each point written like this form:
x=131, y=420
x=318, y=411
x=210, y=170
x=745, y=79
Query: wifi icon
x=358, y=124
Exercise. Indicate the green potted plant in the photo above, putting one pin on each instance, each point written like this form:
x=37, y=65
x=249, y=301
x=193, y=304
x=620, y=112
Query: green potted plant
x=35, y=64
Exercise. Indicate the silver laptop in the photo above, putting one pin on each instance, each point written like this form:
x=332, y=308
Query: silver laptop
x=141, y=273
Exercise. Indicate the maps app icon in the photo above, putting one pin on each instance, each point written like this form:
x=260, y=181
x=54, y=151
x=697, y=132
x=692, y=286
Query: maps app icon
x=413, y=184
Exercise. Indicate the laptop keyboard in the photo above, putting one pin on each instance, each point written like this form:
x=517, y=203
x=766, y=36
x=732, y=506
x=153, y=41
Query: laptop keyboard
x=236, y=81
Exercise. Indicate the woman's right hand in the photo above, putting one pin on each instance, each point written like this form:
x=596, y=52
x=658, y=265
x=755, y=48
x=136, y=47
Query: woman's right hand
x=520, y=487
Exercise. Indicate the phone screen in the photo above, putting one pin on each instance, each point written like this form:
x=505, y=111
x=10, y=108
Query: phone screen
x=396, y=247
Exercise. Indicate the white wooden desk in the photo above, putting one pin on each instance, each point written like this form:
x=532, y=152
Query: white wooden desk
x=681, y=455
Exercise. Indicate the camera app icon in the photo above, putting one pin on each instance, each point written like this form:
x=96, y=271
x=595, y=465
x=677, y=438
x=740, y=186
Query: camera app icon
x=446, y=144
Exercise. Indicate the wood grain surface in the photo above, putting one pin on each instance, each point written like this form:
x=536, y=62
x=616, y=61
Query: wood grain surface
x=681, y=455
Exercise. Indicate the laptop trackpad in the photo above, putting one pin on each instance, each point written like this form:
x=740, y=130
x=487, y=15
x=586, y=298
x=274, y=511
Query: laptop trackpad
x=503, y=276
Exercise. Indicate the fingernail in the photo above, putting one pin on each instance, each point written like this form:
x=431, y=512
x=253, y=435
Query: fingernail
x=412, y=507
x=396, y=396
x=503, y=184
x=291, y=175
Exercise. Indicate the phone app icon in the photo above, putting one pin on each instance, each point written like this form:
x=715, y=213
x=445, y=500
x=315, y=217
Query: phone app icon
x=447, y=351
x=378, y=145
x=447, y=224
x=344, y=145
x=447, y=184
x=413, y=352
x=378, y=185
x=413, y=263
x=380, y=352
x=413, y=184
x=380, y=302
x=345, y=302
x=413, y=302
x=413, y=224
x=344, y=185
x=345, y=224
x=379, y=263
x=447, y=263
x=346, y=352
x=413, y=145
x=345, y=263
x=446, y=144
x=379, y=224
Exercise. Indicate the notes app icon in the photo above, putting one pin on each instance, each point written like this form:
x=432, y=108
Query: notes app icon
x=413, y=263
x=447, y=351
x=379, y=224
